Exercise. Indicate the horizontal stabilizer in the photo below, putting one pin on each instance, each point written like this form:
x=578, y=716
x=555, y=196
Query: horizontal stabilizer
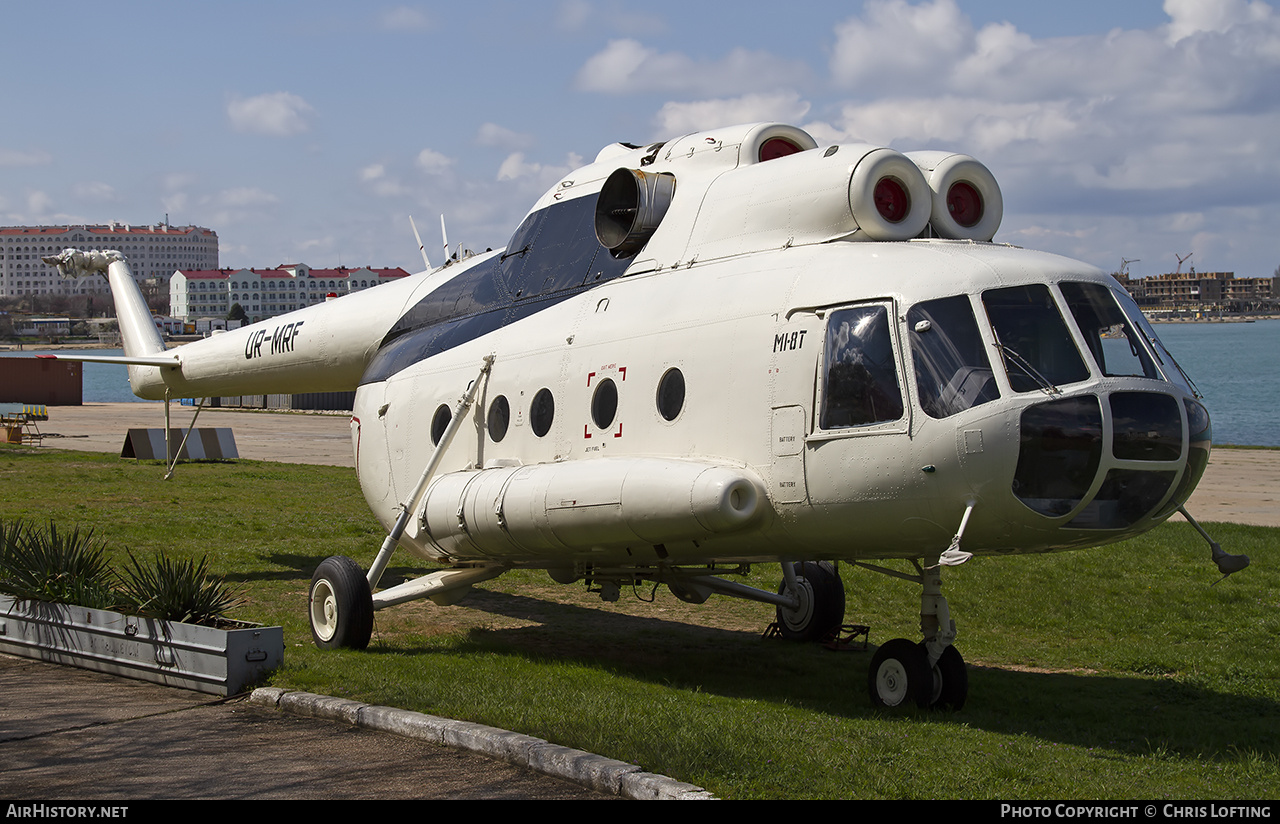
x=162, y=361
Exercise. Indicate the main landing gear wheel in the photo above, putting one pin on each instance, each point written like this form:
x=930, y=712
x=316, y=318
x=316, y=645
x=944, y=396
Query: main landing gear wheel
x=821, y=608
x=341, y=605
x=900, y=675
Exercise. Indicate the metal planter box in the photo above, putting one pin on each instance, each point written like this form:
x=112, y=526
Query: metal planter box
x=205, y=659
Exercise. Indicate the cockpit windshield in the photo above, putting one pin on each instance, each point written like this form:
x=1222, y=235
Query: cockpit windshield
x=952, y=370
x=1114, y=342
x=1172, y=371
x=1033, y=339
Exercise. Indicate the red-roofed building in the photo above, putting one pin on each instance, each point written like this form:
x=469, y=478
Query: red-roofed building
x=262, y=293
x=154, y=253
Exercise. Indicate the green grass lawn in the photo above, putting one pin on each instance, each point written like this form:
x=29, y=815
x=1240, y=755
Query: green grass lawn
x=1108, y=673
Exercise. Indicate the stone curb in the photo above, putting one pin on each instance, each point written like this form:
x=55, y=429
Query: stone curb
x=586, y=769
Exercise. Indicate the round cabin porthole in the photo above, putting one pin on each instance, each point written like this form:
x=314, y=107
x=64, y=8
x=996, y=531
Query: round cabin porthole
x=604, y=403
x=499, y=418
x=439, y=423
x=541, y=412
x=671, y=394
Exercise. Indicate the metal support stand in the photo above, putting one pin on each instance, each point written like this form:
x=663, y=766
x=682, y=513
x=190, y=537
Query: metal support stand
x=171, y=457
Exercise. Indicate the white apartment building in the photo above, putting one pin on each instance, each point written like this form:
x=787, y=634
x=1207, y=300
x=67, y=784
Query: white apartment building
x=263, y=293
x=154, y=253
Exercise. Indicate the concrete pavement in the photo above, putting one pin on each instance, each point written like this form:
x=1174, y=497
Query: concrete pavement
x=71, y=734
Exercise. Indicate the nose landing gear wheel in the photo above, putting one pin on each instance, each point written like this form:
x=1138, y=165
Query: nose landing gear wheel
x=950, y=680
x=900, y=675
x=341, y=605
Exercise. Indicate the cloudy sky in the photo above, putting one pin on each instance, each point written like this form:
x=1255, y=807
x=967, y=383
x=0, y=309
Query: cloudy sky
x=309, y=131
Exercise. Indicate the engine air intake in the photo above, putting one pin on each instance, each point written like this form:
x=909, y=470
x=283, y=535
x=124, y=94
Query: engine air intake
x=629, y=209
x=967, y=204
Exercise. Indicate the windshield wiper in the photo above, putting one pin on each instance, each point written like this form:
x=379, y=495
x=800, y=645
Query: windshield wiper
x=1011, y=356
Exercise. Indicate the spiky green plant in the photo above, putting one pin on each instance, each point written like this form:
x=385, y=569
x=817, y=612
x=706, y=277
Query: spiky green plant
x=176, y=590
x=48, y=565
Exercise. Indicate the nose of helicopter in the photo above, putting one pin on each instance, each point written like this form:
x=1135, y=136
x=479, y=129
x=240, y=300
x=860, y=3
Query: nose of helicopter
x=1111, y=461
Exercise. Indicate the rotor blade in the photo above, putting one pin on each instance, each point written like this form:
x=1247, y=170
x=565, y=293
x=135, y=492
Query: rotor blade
x=422, y=249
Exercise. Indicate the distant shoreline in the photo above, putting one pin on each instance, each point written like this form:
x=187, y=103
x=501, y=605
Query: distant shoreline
x=1231, y=319
x=49, y=347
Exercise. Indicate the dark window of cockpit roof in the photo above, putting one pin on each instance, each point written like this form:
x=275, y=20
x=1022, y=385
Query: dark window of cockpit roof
x=1033, y=338
x=860, y=381
x=953, y=372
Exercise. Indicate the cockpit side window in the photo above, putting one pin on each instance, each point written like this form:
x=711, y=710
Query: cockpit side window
x=1033, y=339
x=1113, y=341
x=952, y=370
x=1164, y=359
x=860, y=382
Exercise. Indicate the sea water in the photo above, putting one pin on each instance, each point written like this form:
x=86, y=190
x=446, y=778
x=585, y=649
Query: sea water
x=1236, y=366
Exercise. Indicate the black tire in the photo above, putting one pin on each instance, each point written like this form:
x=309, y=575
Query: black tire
x=900, y=675
x=340, y=605
x=951, y=680
x=821, y=610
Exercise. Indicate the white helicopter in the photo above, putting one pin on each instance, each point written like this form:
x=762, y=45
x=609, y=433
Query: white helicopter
x=731, y=348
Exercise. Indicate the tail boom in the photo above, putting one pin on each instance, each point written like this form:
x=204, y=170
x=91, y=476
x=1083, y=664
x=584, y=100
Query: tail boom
x=321, y=348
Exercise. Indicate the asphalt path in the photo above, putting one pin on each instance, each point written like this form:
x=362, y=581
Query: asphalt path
x=74, y=735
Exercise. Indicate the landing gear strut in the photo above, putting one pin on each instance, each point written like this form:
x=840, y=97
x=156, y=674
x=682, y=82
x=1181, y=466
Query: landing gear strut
x=931, y=673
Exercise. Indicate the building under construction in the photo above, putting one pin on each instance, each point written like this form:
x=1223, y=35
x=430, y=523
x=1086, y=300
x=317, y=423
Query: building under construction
x=1202, y=293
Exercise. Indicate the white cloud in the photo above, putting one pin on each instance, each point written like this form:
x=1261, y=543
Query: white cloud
x=238, y=205
x=177, y=180
x=627, y=66
x=682, y=118
x=175, y=203
x=515, y=167
x=243, y=196
x=1189, y=17
x=17, y=157
x=39, y=203
x=572, y=15
x=404, y=18
x=491, y=134
x=899, y=46
x=377, y=180
x=94, y=190
x=578, y=15
x=277, y=114
x=432, y=162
